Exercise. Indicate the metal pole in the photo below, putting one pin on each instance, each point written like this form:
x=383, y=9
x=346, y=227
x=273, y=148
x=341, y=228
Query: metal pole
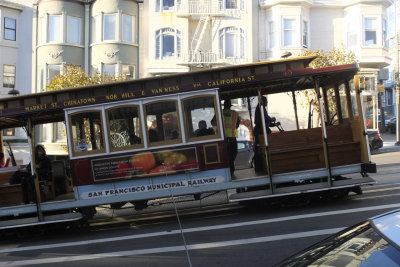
x=267, y=155
x=396, y=71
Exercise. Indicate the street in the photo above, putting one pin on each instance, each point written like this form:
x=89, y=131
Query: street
x=224, y=235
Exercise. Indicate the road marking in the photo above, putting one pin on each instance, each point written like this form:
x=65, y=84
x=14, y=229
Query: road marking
x=199, y=229
x=380, y=190
x=385, y=177
x=172, y=249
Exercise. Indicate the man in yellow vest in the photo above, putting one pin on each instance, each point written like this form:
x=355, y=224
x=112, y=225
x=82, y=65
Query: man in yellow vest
x=231, y=123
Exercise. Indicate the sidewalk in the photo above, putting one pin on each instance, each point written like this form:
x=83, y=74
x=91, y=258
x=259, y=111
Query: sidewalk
x=389, y=141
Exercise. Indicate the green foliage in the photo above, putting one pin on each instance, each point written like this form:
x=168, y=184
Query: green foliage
x=337, y=56
x=74, y=76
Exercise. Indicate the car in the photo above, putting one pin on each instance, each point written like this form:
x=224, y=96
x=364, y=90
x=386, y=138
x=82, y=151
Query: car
x=391, y=125
x=373, y=242
x=244, y=158
x=375, y=139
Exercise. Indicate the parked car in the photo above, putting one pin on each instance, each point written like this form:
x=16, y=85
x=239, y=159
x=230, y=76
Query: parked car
x=244, y=158
x=391, y=125
x=375, y=139
x=374, y=242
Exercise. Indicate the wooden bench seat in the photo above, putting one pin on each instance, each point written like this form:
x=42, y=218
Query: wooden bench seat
x=303, y=149
x=9, y=194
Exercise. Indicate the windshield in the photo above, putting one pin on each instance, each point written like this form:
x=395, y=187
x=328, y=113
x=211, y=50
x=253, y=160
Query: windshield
x=357, y=246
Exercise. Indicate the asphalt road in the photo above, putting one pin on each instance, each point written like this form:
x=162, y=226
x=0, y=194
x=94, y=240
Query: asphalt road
x=226, y=235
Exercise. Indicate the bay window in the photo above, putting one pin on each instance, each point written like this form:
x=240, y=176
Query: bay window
x=52, y=72
x=370, y=29
x=109, y=27
x=54, y=28
x=109, y=69
x=73, y=30
x=289, y=32
x=271, y=35
x=305, y=34
x=127, y=28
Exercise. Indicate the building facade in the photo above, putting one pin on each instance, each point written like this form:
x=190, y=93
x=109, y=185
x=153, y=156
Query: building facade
x=191, y=35
x=159, y=37
x=16, y=63
x=100, y=36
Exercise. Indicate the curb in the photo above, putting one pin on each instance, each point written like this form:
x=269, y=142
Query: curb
x=385, y=150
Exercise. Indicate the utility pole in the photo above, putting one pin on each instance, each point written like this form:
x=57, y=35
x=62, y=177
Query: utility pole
x=396, y=84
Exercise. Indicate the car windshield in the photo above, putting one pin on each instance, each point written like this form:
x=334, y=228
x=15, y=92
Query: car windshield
x=357, y=246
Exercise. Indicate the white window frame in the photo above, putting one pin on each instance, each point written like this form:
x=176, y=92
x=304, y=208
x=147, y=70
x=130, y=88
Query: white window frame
x=79, y=32
x=115, y=27
x=133, y=74
x=271, y=35
x=365, y=29
x=160, y=33
x=239, y=43
x=352, y=29
x=294, y=31
x=305, y=40
x=58, y=31
x=11, y=75
x=239, y=4
x=132, y=28
x=5, y=29
x=385, y=41
x=48, y=71
x=103, y=67
x=160, y=8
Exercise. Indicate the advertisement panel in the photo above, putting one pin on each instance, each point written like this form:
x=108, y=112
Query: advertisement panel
x=145, y=164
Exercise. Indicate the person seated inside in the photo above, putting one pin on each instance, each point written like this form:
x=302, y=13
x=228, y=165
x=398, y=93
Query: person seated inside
x=203, y=130
x=27, y=180
x=2, y=163
x=134, y=139
x=153, y=135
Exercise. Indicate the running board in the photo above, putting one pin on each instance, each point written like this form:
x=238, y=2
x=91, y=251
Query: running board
x=299, y=189
x=34, y=221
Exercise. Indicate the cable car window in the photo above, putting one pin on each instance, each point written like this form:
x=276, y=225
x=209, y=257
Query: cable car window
x=162, y=122
x=200, y=119
x=87, y=133
x=124, y=127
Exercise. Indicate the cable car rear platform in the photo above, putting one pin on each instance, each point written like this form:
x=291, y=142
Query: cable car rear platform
x=300, y=182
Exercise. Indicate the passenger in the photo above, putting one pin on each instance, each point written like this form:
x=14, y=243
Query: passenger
x=175, y=135
x=202, y=130
x=2, y=163
x=43, y=170
x=231, y=123
x=153, y=135
x=269, y=122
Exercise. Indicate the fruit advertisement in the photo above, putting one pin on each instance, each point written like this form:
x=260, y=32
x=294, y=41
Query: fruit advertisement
x=145, y=164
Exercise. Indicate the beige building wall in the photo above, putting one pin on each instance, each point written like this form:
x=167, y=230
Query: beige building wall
x=100, y=36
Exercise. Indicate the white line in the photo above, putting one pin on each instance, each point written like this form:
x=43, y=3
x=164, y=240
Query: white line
x=171, y=249
x=199, y=229
x=380, y=190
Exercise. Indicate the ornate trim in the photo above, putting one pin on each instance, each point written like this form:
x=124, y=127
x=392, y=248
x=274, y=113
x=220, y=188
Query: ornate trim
x=55, y=54
x=111, y=54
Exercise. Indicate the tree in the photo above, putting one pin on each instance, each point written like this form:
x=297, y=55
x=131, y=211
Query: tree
x=74, y=76
x=337, y=56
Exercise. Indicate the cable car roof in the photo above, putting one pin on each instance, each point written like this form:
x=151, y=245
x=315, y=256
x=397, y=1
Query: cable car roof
x=270, y=77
